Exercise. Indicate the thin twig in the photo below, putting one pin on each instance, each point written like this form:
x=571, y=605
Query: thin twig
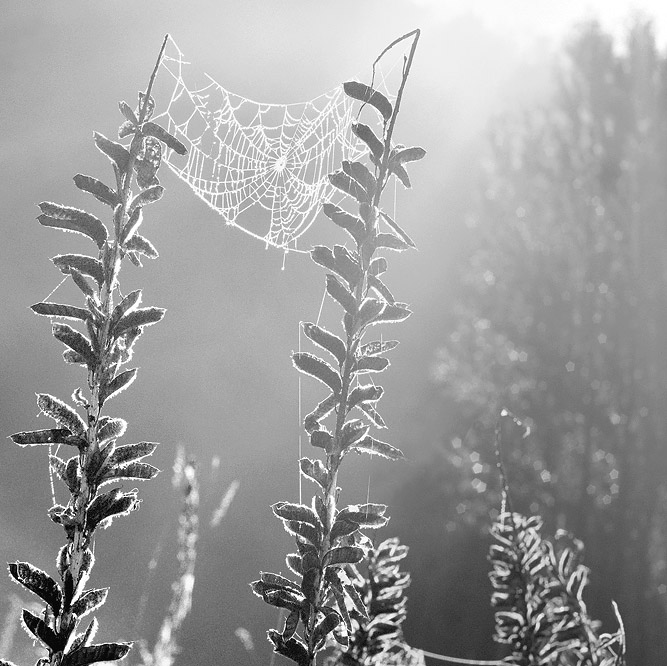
x=151, y=81
x=461, y=660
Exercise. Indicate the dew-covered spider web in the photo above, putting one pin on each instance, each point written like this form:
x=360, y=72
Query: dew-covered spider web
x=262, y=167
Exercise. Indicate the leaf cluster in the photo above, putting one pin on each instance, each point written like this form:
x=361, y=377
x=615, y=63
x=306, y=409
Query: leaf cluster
x=330, y=541
x=538, y=596
x=103, y=346
x=378, y=639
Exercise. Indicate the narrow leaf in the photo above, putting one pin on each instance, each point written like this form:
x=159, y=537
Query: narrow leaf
x=107, y=506
x=332, y=343
x=373, y=414
x=321, y=439
x=392, y=242
x=82, y=263
x=300, y=512
x=97, y=188
x=324, y=256
x=343, y=555
x=326, y=626
x=393, y=313
x=343, y=182
x=353, y=225
x=147, y=196
x=316, y=367
x=371, y=364
x=133, y=470
x=314, y=470
x=52, y=436
x=275, y=580
x=75, y=341
x=292, y=648
x=410, y=154
x=57, y=310
x=61, y=413
x=311, y=534
x=377, y=266
x=366, y=515
x=70, y=356
x=68, y=472
x=144, y=110
x=73, y=219
x=116, y=385
x=366, y=134
x=340, y=293
x=130, y=452
x=38, y=582
x=361, y=394
x=349, y=263
x=399, y=171
x=161, y=134
x=291, y=623
x=114, y=151
x=357, y=601
x=342, y=527
x=368, y=95
x=377, y=347
x=362, y=175
x=127, y=128
x=323, y=409
x=368, y=311
x=131, y=226
x=141, y=245
x=101, y=652
x=138, y=318
x=126, y=110
x=381, y=289
x=86, y=637
x=129, y=303
x=41, y=630
x=353, y=431
x=90, y=601
x=110, y=428
x=82, y=283
x=376, y=447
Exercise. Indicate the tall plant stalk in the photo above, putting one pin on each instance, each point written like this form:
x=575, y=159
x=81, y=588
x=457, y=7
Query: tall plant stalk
x=112, y=323
x=328, y=539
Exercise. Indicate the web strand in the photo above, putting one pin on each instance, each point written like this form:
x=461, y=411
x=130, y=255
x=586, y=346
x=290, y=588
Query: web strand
x=245, y=155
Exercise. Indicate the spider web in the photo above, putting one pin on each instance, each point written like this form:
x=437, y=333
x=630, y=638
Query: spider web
x=245, y=155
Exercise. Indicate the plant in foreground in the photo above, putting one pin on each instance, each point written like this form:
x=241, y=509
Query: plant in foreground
x=379, y=639
x=112, y=329
x=325, y=600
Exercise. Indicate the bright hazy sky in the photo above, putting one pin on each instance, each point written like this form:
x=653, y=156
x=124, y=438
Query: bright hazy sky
x=530, y=20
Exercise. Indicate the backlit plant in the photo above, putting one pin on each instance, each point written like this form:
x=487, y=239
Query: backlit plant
x=378, y=639
x=324, y=600
x=538, y=588
x=111, y=323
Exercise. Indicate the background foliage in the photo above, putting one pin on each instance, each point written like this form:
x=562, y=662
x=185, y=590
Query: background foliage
x=562, y=318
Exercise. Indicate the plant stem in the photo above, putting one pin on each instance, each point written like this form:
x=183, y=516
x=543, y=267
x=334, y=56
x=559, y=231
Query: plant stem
x=397, y=104
x=87, y=491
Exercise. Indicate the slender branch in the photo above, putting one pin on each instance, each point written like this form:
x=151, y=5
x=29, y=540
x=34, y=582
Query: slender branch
x=151, y=81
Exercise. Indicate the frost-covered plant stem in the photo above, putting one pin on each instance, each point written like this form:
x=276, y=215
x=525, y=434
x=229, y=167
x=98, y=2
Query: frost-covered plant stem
x=96, y=374
x=329, y=539
x=112, y=331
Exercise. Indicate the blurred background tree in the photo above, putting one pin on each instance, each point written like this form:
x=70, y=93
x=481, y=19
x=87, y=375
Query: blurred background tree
x=561, y=318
